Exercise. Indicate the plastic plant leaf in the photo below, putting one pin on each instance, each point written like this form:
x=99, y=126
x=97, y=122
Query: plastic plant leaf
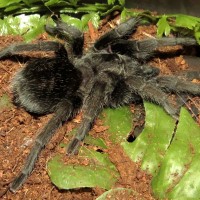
x=111, y=2
x=197, y=34
x=179, y=174
x=12, y=8
x=151, y=145
x=28, y=26
x=119, y=193
x=5, y=102
x=99, y=142
x=5, y=3
x=186, y=21
x=35, y=29
x=119, y=122
x=99, y=173
x=163, y=26
x=72, y=21
x=95, y=142
x=51, y=2
x=94, y=17
x=122, y=2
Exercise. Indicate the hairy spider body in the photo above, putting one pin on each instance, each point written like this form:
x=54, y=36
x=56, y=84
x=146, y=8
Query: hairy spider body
x=112, y=73
x=45, y=82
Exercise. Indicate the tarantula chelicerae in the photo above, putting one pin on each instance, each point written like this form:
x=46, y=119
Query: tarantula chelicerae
x=112, y=73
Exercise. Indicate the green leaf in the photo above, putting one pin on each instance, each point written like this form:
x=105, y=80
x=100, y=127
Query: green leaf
x=122, y=2
x=27, y=3
x=163, y=26
x=186, y=21
x=74, y=2
x=94, y=17
x=6, y=3
x=36, y=26
x=197, y=36
x=72, y=21
x=123, y=15
x=99, y=173
x=178, y=177
x=95, y=142
x=119, y=193
x=151, y=145
x=28, y=26
x=9, y=25
x=119, y=121
x=12, y=7
x=5, y=102
x=51, y=2
x=111, y=2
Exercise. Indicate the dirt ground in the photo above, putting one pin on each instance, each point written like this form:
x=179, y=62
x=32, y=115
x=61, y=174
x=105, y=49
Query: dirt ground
x=18, y=129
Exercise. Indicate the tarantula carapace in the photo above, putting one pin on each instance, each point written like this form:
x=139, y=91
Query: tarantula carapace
x=113, y=72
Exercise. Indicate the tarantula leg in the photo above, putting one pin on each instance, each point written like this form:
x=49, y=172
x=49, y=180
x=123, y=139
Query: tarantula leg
x=92, y=107
x=71, y=35
x=62, y=114
x=145, y=49
x=147, y=71
x=190, y=75
x=41, y=46
x=148, y=91
x=173, y=84
x=124, y=29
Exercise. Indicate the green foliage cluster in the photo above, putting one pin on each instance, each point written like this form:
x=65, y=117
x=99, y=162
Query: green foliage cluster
x=179, y=23
x=28, y=17
x=17, y=7
x=169, y=152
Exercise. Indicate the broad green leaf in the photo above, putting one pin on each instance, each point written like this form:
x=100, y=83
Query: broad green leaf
x=9, y=25
x=27, y=2
x=99, y=142
x=36, y=28
x=119, y=121
x=111, y=2
x=95, y=142
x=178, y=177
x=118, y=193
x=12, y=7
x=28, y=26
x=94, y=17
x=197, y=34
x=5, y=102
x=151, y=145
x=121, y=2
x=124, y=14
x=99, y=173
x=74, y=2
x=6, y=3
x=51, y=2
x=163, y=26
x=186, y=21
x=72, y=21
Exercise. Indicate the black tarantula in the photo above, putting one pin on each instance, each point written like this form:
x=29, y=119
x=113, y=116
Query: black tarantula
x=112, y=73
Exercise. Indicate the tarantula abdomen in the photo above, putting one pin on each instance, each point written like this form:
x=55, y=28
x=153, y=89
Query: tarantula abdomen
x=44, y=82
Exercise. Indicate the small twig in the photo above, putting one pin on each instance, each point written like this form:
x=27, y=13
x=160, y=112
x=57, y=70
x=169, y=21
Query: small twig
x=92, y=31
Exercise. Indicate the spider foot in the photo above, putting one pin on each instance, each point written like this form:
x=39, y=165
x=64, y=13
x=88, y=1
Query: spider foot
x=6, y=52
x=17, y=182
x=74, y=146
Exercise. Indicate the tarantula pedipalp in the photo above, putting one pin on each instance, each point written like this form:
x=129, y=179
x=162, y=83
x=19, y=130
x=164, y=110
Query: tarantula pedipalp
x=112, y=73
